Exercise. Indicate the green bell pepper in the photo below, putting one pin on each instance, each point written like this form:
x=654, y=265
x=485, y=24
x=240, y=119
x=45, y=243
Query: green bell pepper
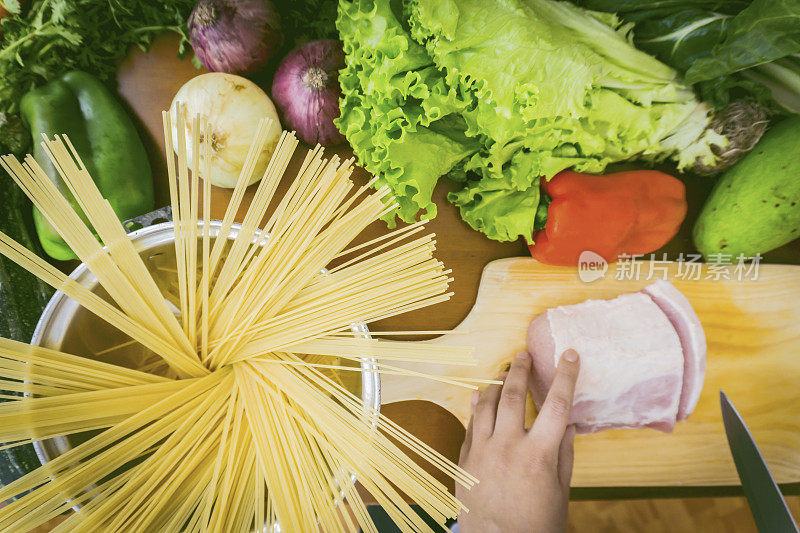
x=79, y=105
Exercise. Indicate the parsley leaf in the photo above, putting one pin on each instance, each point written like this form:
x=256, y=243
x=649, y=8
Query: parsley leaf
x=56, y=36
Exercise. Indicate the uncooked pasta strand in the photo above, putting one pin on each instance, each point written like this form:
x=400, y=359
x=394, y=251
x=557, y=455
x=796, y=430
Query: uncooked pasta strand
x=206, y=277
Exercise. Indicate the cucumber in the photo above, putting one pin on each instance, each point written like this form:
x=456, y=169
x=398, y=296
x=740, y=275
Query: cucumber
x=755, y=206
x=22, y=295
x=22, y=298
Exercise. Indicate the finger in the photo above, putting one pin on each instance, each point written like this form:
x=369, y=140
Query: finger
x=566, y=455
x=511, y=408
x=551, y=423
x=485, y=413
x=467, y=444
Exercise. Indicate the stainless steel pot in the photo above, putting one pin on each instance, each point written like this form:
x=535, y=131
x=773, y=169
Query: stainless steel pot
x=65, y=325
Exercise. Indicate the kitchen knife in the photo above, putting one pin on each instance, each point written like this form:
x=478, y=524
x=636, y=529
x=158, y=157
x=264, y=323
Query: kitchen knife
x=769, y=509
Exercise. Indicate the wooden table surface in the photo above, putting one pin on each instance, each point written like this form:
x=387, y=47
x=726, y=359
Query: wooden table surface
x=147, y=84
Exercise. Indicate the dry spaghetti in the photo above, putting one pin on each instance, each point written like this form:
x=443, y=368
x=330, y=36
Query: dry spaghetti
x=238, y=419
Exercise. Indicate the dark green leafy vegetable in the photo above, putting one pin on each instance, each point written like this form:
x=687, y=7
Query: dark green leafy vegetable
x=678, y=32
x=56, y=36
x=781, y=78
x=727, y=49
x=308, y=20
x=763, y=32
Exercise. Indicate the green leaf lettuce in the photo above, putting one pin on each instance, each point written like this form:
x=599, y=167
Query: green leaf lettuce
x=501, y=94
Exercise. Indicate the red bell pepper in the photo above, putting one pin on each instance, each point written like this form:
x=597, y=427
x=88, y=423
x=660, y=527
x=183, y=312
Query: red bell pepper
x=632, y=213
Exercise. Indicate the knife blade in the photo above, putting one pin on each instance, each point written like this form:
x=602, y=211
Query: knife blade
x=769, y=509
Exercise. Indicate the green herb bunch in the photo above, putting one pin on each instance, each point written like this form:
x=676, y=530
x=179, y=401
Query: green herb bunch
x=46, y=38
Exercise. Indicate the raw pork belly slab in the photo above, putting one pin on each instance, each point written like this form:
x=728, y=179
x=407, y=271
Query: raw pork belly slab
x=632, y=358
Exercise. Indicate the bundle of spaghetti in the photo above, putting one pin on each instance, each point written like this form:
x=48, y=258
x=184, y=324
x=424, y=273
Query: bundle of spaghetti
x=241, y=415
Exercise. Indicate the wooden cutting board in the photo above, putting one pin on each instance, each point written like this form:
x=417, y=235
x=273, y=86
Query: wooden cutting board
x=753, y=331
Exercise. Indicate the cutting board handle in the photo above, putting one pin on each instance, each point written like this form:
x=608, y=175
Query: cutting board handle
x=495, y=332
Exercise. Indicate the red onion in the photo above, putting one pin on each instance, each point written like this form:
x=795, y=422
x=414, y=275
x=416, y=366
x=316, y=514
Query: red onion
x=235, y=36
x=306, y=91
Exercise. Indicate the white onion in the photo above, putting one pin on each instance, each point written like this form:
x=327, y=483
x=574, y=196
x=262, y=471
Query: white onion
x=233, y=106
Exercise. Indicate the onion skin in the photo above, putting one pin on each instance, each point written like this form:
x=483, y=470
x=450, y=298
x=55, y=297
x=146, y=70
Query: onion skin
x=306, y=91
x=235, y=36
x=233, y=106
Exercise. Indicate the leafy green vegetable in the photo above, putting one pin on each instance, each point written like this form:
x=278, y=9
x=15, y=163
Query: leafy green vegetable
x=397, y=111
x=677, y=32
x=500, y=212
x=729, y=49
x=781, y=78
x=762, y=32
x=56, y=36
x=307, y=20
x=499, y=94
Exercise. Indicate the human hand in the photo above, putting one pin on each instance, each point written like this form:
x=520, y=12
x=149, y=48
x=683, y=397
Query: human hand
x=523, y=474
